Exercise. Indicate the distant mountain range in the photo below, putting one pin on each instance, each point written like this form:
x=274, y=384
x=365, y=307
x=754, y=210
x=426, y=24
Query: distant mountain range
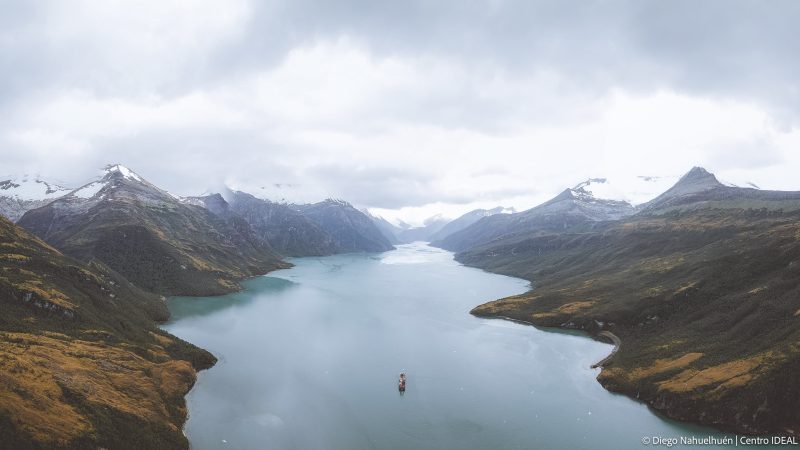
x=155, y=240
x=167, y=238
x=466, y=220
x=286, y=229
x=699, y=186
x=434, y=228
x=350, y=229
x=430, y=226
x=700, y=284
x=572, y=208
x=389, y=230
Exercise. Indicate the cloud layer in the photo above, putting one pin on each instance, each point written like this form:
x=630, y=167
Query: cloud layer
x=406, y=107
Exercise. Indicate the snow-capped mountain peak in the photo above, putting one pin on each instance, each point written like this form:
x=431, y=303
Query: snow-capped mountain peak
x=117, y=181
x=594, y=188
x=120, y=170
x=338, y=202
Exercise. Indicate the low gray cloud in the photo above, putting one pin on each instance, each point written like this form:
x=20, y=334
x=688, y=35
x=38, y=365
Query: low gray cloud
x=737, y=48
x=398, y=104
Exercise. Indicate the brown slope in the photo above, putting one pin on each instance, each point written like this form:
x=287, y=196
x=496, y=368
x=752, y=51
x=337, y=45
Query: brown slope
x=706, y=302
x=82, y=364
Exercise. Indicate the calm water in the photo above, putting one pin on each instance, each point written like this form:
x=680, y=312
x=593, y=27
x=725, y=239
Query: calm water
x=309, y=358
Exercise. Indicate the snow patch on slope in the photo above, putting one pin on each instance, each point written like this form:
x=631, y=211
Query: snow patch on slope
x=90, y=190
x=633, y=189
x=31, y=188
x=741, y=184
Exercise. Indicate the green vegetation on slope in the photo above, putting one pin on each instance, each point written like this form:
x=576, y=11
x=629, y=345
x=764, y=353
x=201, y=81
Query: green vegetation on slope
x=706, y=300
x=82, y=364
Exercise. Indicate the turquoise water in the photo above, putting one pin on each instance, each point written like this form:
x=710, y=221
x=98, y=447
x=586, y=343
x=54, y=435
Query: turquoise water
x=309, y=359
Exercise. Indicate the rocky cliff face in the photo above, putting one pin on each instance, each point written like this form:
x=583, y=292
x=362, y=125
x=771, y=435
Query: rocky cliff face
x=150, y=237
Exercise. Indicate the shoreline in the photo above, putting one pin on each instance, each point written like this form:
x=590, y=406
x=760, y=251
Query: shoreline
x=615, y=340
x=617, y=344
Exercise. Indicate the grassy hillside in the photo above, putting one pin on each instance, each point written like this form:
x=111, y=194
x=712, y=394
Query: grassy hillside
x=82, y=364
x=706, y=300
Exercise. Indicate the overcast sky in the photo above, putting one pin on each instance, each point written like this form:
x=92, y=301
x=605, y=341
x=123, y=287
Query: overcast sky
x=409, y=108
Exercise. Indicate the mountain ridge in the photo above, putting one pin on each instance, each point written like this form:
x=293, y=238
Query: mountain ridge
x=701, y=287
x=287, y=230
x=572, y=207
x=149, y=236
x=466, y=220
x=351, y=229
x=699, y=186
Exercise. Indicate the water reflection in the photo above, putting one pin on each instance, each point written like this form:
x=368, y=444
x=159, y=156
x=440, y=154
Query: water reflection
x=186, y=307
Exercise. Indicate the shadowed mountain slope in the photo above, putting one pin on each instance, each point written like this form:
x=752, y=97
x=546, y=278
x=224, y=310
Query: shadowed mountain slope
x=466, y=220
x=389, y=230
x=351, y=229
x=287, y=230
x=150, y=237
